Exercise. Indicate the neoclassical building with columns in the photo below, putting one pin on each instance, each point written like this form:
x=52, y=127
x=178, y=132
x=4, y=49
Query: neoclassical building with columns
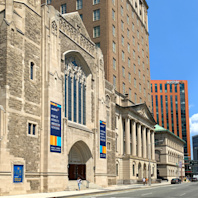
x=135, y=141
x=59, y=118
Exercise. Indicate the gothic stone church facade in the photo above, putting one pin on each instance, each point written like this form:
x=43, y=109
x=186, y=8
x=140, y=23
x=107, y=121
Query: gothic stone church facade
x=59, y=117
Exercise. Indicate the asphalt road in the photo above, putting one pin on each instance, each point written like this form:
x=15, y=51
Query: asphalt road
x=187, y=190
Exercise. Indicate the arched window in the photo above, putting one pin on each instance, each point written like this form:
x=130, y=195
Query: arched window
x=31, y=70
x=75, y=93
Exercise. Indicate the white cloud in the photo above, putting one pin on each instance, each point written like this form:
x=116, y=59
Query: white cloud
x=191, y=106
x=194, y=124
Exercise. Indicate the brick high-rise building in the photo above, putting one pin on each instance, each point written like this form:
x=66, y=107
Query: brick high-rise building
x=120, y=29
x=170, y=108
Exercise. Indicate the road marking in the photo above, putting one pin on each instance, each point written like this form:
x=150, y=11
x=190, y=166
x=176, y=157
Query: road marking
x=182, y=194
x=146, y=194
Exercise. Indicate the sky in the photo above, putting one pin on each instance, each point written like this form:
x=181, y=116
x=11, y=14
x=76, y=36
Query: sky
x=173, y=43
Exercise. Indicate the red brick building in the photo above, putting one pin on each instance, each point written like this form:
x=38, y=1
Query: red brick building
x=170, y=107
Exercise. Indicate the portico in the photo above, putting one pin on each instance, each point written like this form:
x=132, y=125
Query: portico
x=135, y=142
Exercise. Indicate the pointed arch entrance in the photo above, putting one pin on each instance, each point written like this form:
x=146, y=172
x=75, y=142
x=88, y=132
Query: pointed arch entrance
x=79, y=161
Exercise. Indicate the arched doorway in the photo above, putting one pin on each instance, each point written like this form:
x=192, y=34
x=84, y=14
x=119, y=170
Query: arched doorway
x=144, y=171
x=79, y=158
x=139, y=171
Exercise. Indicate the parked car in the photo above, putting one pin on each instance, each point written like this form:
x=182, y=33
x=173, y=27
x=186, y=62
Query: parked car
x=162, y=178
x=194, y=179
x=176, y=181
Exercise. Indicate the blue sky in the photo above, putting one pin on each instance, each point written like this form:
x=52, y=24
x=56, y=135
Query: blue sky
x=173, y=42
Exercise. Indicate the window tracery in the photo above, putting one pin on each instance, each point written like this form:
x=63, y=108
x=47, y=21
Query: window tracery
x=75, y=92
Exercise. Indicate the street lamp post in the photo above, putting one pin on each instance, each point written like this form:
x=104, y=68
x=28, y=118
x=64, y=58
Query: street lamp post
x=149, y=157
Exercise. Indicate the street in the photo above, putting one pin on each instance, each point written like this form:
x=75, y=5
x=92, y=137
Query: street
x=188, y=190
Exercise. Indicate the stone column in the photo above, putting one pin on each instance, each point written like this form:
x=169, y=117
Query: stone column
x=120, y=132
x=144, y=141
x=153, y=145
x=127, y=135
x=139, y=140
x=133, y=140
x=149, y=143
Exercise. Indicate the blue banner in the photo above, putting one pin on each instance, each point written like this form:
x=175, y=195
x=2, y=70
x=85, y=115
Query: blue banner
x=18, y=174
x=55, y=128
x=103, y=149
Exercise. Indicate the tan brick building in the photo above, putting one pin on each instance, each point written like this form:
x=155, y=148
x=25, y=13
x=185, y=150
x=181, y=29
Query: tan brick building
x=120, y=28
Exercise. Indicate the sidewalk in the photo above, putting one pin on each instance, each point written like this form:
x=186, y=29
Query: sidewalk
x=85, y=192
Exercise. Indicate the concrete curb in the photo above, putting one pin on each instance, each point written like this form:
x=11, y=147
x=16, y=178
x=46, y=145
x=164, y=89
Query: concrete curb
x=110, y=191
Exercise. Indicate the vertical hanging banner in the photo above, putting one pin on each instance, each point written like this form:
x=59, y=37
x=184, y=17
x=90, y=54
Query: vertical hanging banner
x=103, y=139
x=18, y=174
x=55, y=128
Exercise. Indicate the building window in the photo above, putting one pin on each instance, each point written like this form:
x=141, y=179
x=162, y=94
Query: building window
x=142, y=41
x=134, y=68
x=143, y=78
x=133, y=27
x=114, y=63
x=122, y=10
x=81, y=16
x=123, y=71
x=98, y=45
x=123, y=57
x=135, y=98
x=129, y=77
x=143, y=53
x=49, y=1
x=114, y=47
x=79, y=4
x=129, y=62
x=144, y=92
x=155, y=88
x=113, y=15
x=128, y=47
x=108, y=146
x=96, y=2
x=122, y=25
x=113, y=30
x=127, y=6
x=138, y=60
x=130, y=97
x=133, y=169
x=122, y=40
x=123, y=88
x=133, y=14
x=127, y=19
x=133, y=54
x=135, y=83
x=138, y=45
x=116, y=169
x=32, y=129
x=138, y=34
x=96, y=15
x=140, y=88
x=143, y=65
x=171, y=88
x=160, y=88
x=75, y=94
x=127, y=32
x=139, y=73
x=63, y=8
x=140, y=100
x=32, y=71
x=175, y=88
x=151, y=88
x=96, y=31
x=165, y=88
x=114, y=81
x=133, y=40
